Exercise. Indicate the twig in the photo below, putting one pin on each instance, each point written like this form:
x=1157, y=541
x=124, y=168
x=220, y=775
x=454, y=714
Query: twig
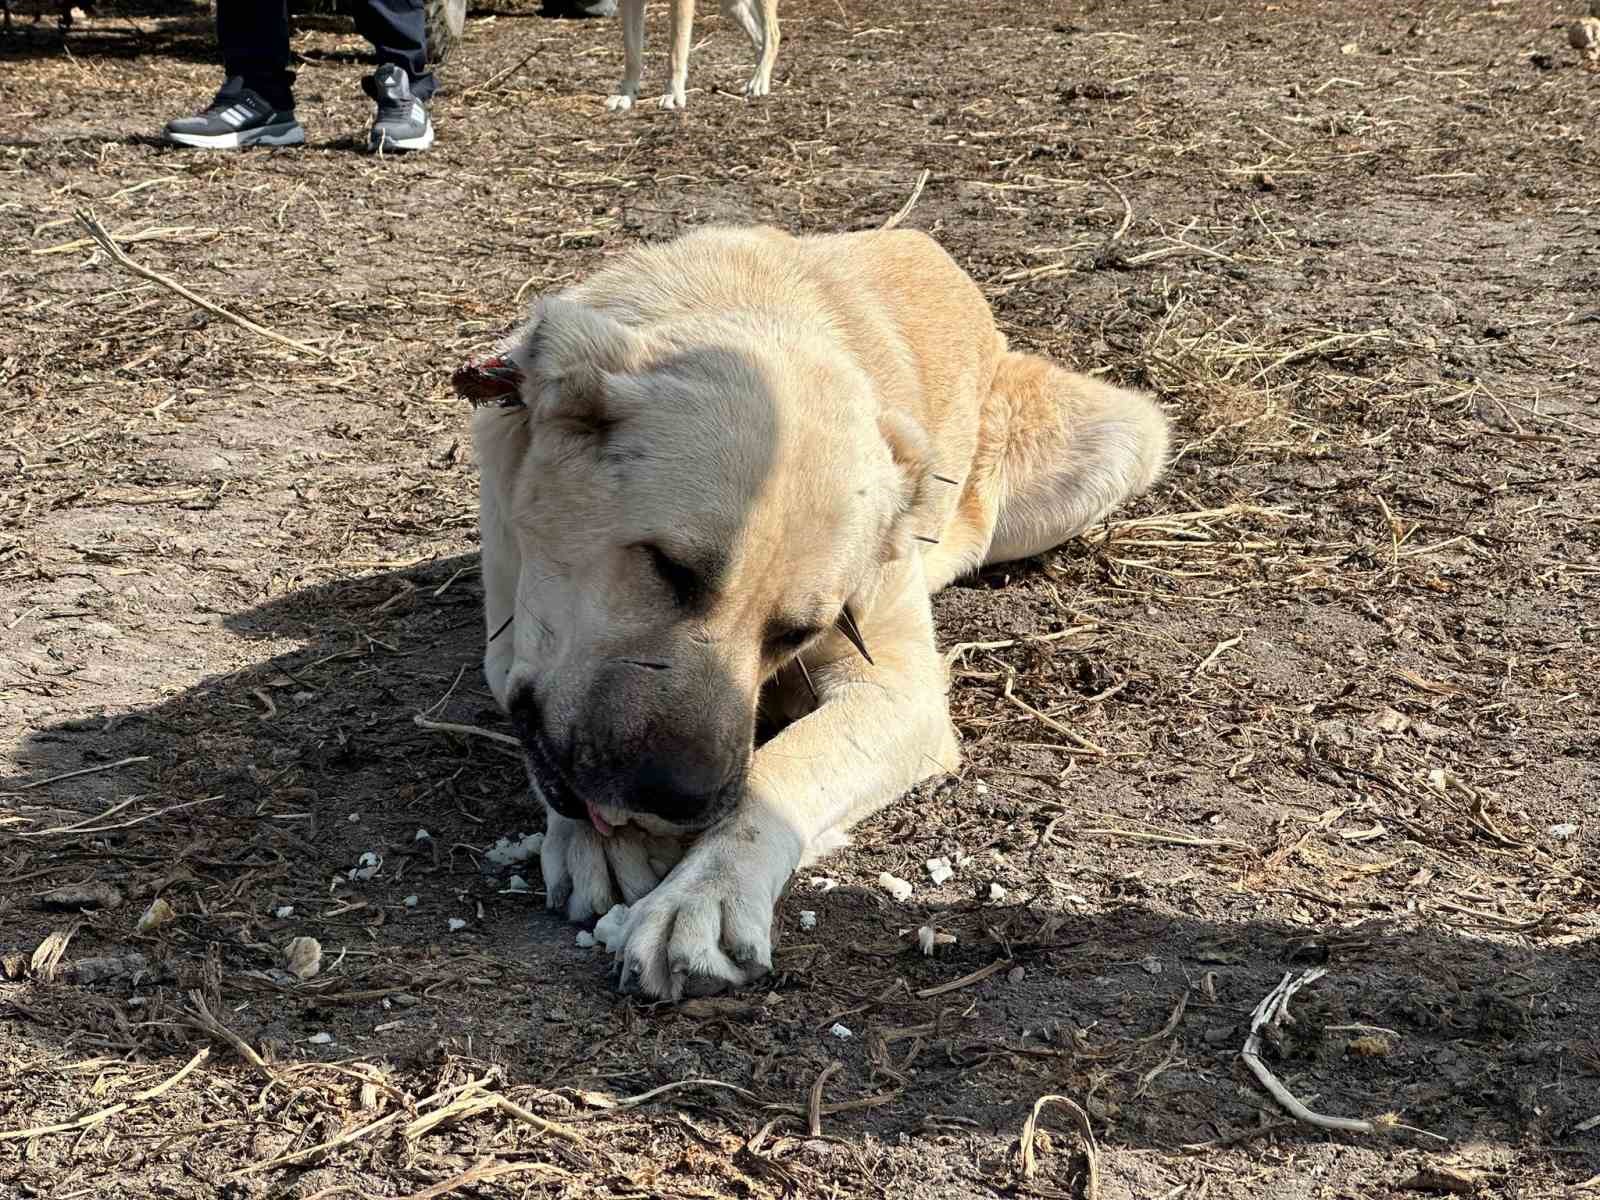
x=814, y=1107
x=1077, y=739
x=468, y=730
x=1127, y=213
x=111, y=766
x=1091, y=1149
x=645, y=1097
x=81, y=827
x=978, y=976
x=1167, y=839
x=90, y=1120
x=498, y=76
x=911, y=201
x=483, y=1171
x=109, y=245
x=209, y=1023
x=1275, y=1008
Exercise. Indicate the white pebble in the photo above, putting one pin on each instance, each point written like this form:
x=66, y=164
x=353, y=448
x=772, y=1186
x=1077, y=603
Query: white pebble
x=841, y=1031
x=354, y=818
x=423, y=836
x=925, y=940
x=410, y=901
x=982, y=789
x=320, y=1039
x=1562, y=832
x=283, y=912
x=508, y=852
x=585, y=939
x=808, y=919
x=996, y=892
x=457, y=924
x=517, y=884
x=368, y=865
x=899, y=888
x=608, y=929
x=823, y=884
x=939, y=870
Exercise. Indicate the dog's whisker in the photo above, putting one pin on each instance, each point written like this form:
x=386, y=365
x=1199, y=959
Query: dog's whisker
x=847, y=626
x=806, y=675
x=504, y=625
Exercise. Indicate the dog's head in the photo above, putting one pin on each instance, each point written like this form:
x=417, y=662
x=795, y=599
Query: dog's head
x=688, y=509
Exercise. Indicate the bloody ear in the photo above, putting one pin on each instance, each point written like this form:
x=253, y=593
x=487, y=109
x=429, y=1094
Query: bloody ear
x=916, y=518
x=563, y=356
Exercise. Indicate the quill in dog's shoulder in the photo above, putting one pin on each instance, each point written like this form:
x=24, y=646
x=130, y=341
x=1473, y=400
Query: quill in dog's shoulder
x=732, y=472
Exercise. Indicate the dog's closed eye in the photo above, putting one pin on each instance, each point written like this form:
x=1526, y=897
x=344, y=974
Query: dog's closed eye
x=787, y=639
x=685, y=583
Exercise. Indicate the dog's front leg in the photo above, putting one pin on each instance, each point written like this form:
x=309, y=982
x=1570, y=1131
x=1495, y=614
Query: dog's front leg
x=632, y=56
x=682, y=28
x=879, y=729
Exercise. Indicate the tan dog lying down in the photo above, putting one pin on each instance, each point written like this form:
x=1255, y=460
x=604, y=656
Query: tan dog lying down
x=731, y=472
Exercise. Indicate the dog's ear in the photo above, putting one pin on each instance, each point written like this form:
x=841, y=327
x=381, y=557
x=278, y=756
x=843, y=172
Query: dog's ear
x=916, y=505
x=566, y=354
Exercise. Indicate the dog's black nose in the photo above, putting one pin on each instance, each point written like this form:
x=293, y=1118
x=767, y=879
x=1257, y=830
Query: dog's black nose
x=688, y=783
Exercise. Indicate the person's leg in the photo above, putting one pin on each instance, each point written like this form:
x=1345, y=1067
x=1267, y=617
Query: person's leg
x=398, y=32
x=254, y=37
x=255, y=105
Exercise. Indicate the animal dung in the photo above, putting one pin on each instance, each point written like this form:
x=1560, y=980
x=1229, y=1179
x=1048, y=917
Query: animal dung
x=898, y=888
x=609, y=928
x=158, y=914
x=302, y=957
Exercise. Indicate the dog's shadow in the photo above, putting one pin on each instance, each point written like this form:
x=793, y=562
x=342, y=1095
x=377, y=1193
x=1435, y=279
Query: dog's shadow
x=248, y=799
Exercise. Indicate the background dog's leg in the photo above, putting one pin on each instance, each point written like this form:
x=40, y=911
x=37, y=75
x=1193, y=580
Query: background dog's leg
x=632, y=56
x=1079, y=449
x=682, y=27
x=761, y=26
x=880, y=729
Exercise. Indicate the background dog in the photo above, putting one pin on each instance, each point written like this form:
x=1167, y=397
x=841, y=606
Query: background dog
x=758, y=18
x=735, y=468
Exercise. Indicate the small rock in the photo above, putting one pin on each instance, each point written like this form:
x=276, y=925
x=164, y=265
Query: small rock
x=422, y=835
x=608, y=929
x=509, y=852
x=283, y=912
x=411, y=901
x=303, y=957
x=1016, y=975
x=841, y=1031
x=928, y=938
x=321, y=1039
x=158, y=914
x=808, y=919
x=996, y=892
x=517, y=884
x=585, y=940
x=404, y=1000
x=456, y=924
x=75, y=897
x=939, y=870
x=368, y=865
x=823, y=884
x=1562, y=832
x=1150, y=965
x=899, y=888
x=355, y=818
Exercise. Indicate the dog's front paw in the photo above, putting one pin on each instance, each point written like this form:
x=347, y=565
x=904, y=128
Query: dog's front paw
x=759, y=85
x=620, y=102
x=585, y=874
x=674, y=100
x=707, y=927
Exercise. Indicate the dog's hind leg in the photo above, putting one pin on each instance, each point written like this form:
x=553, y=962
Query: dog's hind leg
x=761, y=26
x=632, y=56
x=682, y=28
x=1073, y=448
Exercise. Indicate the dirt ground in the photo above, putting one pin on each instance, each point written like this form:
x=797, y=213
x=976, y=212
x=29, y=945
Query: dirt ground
x=1325, y=699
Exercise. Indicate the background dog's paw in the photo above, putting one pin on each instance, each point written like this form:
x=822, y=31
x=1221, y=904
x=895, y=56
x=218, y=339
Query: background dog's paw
x=586, y=874
x=621, y=102
x=759, y=85
x=674, y=100
x=703, y=930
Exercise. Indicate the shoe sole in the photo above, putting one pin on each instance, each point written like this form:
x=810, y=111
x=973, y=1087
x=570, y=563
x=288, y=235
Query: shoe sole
x=266, y=135
x=385, y=143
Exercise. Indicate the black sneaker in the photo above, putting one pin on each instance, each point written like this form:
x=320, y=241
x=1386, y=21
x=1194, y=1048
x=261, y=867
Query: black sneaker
x=238, y=117
x=402, y=122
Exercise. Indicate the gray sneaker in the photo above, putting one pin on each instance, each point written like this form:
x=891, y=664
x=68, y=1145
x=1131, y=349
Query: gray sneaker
x=238, y=117
x=402, y=121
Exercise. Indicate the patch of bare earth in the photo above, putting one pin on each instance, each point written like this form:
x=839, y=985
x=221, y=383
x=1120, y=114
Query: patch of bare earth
x=1326, y=698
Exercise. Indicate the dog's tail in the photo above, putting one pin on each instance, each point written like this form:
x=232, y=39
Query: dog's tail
x=1073, y=449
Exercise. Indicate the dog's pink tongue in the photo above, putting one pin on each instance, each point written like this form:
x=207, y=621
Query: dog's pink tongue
x=601, y=826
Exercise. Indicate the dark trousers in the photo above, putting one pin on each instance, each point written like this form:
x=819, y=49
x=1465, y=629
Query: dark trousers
x=254, y=35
